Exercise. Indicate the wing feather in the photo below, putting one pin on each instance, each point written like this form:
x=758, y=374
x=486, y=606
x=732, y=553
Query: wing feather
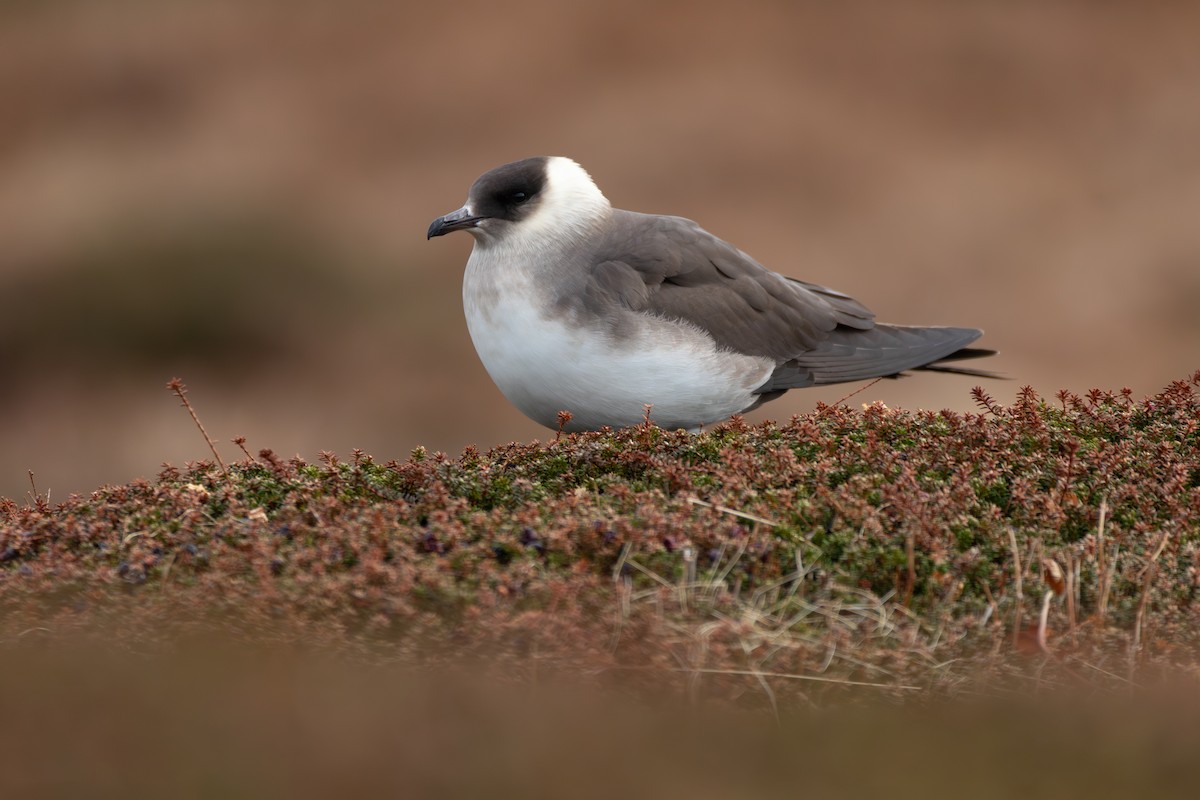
x=671, y=267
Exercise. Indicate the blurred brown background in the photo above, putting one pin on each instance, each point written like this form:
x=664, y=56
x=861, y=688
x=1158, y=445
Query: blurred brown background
x=236, y=193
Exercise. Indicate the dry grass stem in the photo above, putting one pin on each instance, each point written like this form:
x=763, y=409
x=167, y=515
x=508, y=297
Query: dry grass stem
x=910, y=559
x=1146, y=576
x=177, y=386
x=1072, y=589
x=814, y=678
x=1106, y=566
x=1018, y=587
x=240, y=441
x=859, y=390
x=1043, y=618
x=732, y=512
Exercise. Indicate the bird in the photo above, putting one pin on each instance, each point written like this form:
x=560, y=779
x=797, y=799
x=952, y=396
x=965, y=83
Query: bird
x=617, y=317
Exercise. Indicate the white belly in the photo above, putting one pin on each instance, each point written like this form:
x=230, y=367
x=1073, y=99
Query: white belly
x=547, y=363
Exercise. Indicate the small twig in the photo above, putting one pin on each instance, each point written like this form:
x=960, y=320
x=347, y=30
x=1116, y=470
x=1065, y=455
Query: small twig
x=1070, y=578
x=241, y=443
x=732, y=512
x=1101, y=558
x=624, y=592
x=688, y=579
x=564, y=419
x=1162, y=545
x=619, y=567
x=732, y=562
x=1016, y=554
x=1136, y=645
x=1078, y=583
x=1042, y=619
x=37, y=629
x=1112, y=675
x=1066, y=483
x=786, y=676
x=649, y=573
x=985, y=401
x=762, y=681
x=1057, y=583
x=177, y=386
x=1148, y=574
x=991, y=609
x=166, y=574
x=1107, y=582
x=911, y=558
x=41, y=504
x=862, y=388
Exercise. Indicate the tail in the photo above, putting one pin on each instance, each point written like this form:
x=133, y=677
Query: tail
x=962, y=354
x=882, y=351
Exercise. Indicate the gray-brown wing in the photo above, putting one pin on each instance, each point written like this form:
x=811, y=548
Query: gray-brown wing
x=672, y=267
x=885, y=350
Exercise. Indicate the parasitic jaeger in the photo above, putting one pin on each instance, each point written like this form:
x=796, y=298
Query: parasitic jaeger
x=574, y=305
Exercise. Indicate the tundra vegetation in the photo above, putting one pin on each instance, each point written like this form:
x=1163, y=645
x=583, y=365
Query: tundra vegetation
x=439, y=624
x=849, y=550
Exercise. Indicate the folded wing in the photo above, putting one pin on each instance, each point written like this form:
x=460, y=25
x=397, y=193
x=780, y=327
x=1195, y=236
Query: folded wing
x=673, y=268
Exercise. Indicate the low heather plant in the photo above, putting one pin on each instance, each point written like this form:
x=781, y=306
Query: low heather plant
x=893, y=552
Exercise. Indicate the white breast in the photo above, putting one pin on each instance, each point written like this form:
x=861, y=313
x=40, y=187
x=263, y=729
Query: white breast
x=546, y=362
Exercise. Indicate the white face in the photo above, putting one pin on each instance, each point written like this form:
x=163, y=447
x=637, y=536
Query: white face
x=568, y=206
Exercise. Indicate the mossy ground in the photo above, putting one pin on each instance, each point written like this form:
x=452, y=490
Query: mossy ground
x=847, y=550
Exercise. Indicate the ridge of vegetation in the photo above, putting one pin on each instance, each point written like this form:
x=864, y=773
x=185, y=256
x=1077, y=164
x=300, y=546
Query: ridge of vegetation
x=902, y=553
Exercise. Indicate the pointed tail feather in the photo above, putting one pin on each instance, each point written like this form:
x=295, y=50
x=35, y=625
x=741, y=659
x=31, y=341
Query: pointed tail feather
x=882, y=351
x=963, y=355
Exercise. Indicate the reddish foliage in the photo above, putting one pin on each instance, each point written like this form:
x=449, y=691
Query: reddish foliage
x=642, y=551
